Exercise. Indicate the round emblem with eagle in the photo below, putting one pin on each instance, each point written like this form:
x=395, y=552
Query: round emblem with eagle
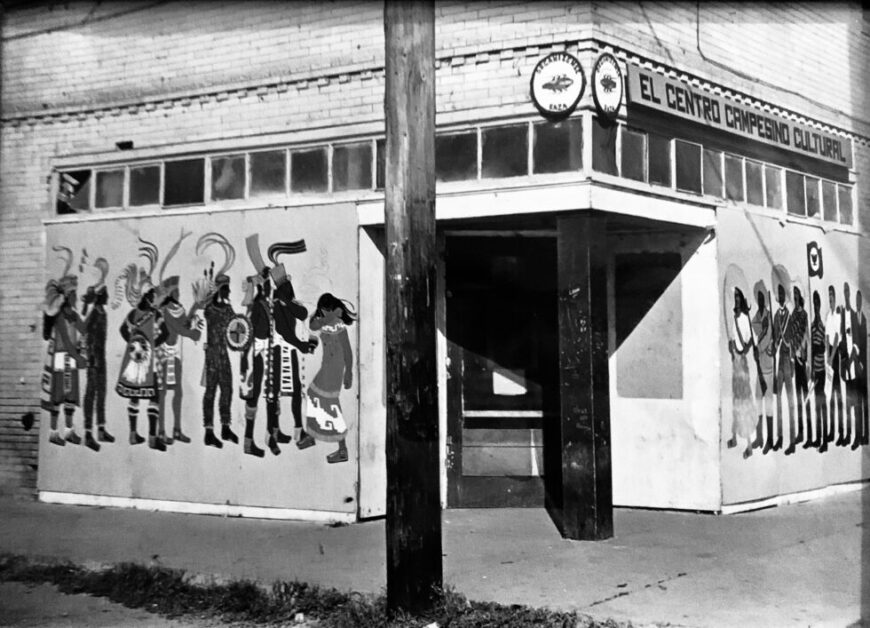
x=607, y=86
x=239, y=333
x=557, y=85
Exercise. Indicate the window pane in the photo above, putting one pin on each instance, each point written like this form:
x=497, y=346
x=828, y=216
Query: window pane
x=794, y=190
x=633, y=155
x=812, y=195
x=754, y=184
x=268, y=171
x=713, y=172
x=688, y=157
x=381, y=168
x=604, y=147
x=659, y=164
x=733, y=178
x=505, y=151
x=829, y=200
x=773, y=185
x=845, y=194
x=110, y=189
x=183, y=182
x=558, y=146
x=308, y=171
x=144, y=185
x=227, y=177
x=73, y=192
x=455, y=156
x=352, y=167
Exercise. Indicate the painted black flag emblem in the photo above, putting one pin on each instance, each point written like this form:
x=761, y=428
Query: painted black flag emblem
x=815, y=267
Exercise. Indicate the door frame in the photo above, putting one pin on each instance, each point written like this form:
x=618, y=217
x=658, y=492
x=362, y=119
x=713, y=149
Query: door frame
x=483, y=491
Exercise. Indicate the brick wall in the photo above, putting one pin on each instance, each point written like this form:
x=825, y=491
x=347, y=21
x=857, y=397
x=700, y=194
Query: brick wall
x=63, y=57
x=808, y=57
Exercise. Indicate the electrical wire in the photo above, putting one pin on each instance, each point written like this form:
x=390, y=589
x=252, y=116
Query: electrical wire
x=88, y=19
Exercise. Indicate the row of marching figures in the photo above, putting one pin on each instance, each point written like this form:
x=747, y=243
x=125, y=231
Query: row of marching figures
x=272, y=338
x=812, y=366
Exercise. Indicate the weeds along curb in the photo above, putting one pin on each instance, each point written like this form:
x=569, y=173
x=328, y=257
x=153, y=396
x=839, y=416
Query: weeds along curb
x=174, y=593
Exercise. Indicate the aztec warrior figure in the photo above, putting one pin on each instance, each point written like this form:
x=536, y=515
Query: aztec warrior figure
x=819, y=366
x=61, y=325
x=271, y=367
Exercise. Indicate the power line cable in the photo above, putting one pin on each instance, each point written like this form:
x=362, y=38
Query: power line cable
x=88, y=19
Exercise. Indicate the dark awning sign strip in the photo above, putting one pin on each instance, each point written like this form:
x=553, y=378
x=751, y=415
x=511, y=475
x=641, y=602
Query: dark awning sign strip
x=656, y=91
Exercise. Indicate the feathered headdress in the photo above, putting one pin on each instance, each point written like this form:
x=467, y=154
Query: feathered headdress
x=56, y=290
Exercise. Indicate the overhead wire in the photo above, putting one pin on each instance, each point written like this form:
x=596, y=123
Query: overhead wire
x=88, y=19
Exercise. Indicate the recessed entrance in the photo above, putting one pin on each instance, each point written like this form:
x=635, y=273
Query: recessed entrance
x=503, y=368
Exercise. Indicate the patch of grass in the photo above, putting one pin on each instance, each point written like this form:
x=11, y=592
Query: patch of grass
x=169, y=593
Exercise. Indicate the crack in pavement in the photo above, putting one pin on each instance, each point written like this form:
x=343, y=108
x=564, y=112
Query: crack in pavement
x=658, y=583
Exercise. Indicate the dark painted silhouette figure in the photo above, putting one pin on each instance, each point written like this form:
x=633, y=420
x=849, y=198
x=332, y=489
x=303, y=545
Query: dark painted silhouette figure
x=96, y=327
x=860, y=326
x=848, y=359
x=764, y=355
x=817, y=339
x=784, y=369
x=832, y=372
x=799, y=327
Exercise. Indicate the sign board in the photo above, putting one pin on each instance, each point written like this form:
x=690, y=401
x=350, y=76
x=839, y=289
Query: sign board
x=557, y=85
x=656, y=91
x=607, y=86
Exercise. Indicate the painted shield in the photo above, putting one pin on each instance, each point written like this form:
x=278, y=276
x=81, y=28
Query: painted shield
x=239, y=333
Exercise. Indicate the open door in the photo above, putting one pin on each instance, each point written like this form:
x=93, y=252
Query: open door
x=502, y=395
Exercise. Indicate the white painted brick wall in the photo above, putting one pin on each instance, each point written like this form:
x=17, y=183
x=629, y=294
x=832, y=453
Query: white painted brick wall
x=810, y=58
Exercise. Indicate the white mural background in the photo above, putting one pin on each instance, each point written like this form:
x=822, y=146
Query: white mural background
x=194, y=472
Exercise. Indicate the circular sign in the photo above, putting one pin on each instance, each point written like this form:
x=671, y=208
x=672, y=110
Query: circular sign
x=607, y=86
x=557, y=85
x=239, y=332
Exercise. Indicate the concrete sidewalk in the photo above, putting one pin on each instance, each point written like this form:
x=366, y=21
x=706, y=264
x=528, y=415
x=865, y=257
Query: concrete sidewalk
x=798, y=565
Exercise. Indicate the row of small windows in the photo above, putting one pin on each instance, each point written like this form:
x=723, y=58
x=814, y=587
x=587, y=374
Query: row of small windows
x=483, y=152
x=202, y=180
x=690, y=167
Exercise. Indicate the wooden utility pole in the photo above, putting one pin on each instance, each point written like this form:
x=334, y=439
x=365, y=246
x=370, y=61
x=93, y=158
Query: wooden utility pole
x=414, y=569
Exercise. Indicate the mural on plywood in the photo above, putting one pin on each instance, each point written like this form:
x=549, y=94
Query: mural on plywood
x=812, y=368
x=272, y=336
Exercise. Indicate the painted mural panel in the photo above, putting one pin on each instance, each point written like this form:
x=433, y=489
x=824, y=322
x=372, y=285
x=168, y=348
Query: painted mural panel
x=209, y=359
x=794, y=376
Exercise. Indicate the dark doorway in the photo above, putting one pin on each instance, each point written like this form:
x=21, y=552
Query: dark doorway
x=503, y=368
